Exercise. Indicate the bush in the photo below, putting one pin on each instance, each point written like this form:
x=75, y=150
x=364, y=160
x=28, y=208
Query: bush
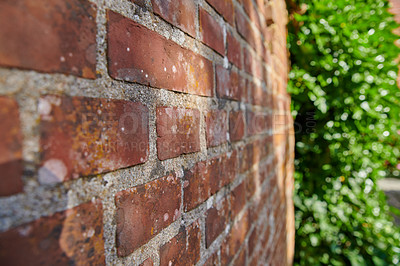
x=346, y=107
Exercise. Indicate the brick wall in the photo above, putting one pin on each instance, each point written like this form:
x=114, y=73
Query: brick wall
x=145, y=133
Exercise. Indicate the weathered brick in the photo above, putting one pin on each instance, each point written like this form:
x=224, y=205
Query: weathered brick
x=72, y=237
x=178, y=131
x=212, y=260
x=217, y=218
x=241, y=259
x=258, y=122
x=228, y=83
x=252, y=183
x=234, y=240
x=147, y=262
x=184, y=248
x=181, y=13
x=51, y=36
x=234, y=50
x=159, y=63
x=206, y=178
x=236, y=125
x=225, y=8
x=11, y=166
x=238, y=199
x=83, y=136
x=211, y=32
x=143, y=211
x=249, y=155
x=253, y=240
x=252, y=65
x=216, y=127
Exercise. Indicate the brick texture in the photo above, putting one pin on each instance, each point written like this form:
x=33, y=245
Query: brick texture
x=10, y=148
x=143, y=211
x=216, y=127
x=63, y=41
x=184, y=248
x=174, y=113
x=160, y=63
x=181, y=13
x=178, y=131
x=72, y=237
x=68, y=126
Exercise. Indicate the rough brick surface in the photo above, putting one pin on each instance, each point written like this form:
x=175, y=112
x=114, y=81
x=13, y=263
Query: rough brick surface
x=238, y=199
x=206, y=178
x=225, y=8
x=236, y=125
x=229, y=85
x=178, y=131
x=234, y=50
x=211, y=32
x=216, y=220
x=72, y=237
x=52, y=36
x=184, y=248
x=181, y=13
x=10, y=148
x=216, y=127
x=144, y=210
x=159, y=63
x=148, y=262
x=82, y=136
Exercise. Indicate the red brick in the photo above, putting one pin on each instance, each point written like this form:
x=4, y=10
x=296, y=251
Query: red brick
x=212, y=260
x=258, y=122
x=224, y=7
x=51, y=36
x=216, y=127
x=211, y=32
x=238, y=199
x=249, y=155
x=228, y=83
x=253, y=240
x=252, y=183
x=184, y=248
x=252, y=65
x=143, y=211
x=180, y=13
x=159, y=63
x=234, y=49
x=236, y=125
x=83, y=136
x=148, y=262
x=206, y=178
x=178, y=131
x=217, y=218
x=11, y=166
x=234, y=240
x=72, y=237
x=255, y=16
x=241, y=259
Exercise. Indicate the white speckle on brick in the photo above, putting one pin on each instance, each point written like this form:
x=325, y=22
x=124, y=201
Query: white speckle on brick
x=53, y=171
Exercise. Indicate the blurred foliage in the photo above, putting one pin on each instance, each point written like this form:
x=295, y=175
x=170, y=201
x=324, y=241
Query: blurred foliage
x=346, y=107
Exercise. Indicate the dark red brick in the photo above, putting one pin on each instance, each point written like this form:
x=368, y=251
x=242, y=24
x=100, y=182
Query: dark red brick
x=234, y=240
x=184, y=248
x=206, y=178
x=236, y=125
x=143, y=211
x=211, y=32
x=178, y=131
x=228, y=83
x=217, y=218
x=83, y=136
x=72, y=237
x=243, y=26
x=216, y=127
x=253, y=240
x=180, y=13
x=225, y=8
x=238, y=199
x=148, y=262
x=51, y=36
x=11, y=166
x=234, y=50
x=159, y=63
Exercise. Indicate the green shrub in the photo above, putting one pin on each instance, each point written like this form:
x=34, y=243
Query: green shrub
x=346, y=107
